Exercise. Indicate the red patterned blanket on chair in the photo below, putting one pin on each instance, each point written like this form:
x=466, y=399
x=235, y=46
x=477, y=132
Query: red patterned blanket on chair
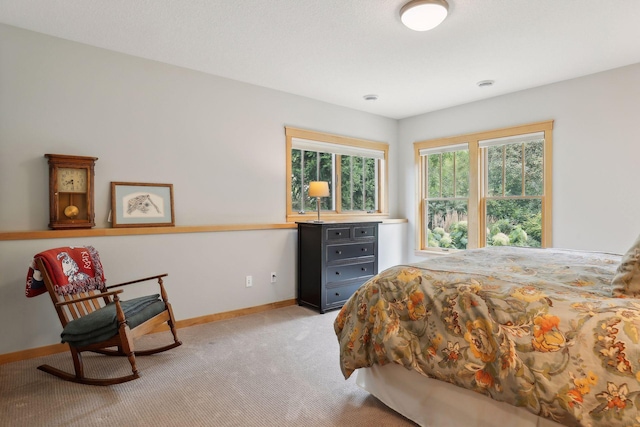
x=72, y=269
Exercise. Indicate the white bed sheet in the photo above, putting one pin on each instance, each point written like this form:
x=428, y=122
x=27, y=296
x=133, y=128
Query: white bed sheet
x=433, y=403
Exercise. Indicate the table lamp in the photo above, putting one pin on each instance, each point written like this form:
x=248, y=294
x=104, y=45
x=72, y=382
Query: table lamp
x=319, y=189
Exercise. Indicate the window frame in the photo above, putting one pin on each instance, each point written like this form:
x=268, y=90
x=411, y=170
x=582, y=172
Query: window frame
x=337, y=213
x=477, y=185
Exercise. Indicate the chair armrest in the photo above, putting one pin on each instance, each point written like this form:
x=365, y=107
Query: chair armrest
x=163, y=293
x=100, y=295
x=138, y=281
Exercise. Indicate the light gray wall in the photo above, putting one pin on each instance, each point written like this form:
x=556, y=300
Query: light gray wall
x=221, y=143
x=216, y=139
x=596, y=153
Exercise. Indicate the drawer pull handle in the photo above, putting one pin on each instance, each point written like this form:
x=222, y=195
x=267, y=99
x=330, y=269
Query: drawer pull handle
x=364, y=249
x=338, y=252
x=338, y=233
x=337, y=294
x=364, y=268
x=364, y=232
x=337, y=273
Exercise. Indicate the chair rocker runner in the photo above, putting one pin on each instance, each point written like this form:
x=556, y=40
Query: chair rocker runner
x=93, y=316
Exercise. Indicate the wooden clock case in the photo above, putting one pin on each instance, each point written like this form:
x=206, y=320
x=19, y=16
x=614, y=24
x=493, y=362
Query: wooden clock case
x=71, y=191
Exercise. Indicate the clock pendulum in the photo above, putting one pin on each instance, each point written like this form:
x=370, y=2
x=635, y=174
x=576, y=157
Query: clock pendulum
x=71, y=211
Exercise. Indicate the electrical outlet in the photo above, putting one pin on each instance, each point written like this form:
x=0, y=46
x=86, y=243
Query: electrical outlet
x=248, y=281
x=273, y=277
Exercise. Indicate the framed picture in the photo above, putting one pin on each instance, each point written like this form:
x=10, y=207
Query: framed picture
x=135, y=204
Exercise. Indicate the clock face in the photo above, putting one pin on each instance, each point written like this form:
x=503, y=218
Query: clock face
x=72, y=180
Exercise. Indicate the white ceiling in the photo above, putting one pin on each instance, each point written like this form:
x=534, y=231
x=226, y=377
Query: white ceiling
x=340, y=50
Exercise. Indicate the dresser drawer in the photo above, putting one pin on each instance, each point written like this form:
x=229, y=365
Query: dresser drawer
x=364, y=231
x=353, y=250
x=338, y=233
x=341, y=293
x=351, y=271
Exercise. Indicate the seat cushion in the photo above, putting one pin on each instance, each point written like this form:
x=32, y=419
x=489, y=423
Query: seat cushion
x=102, y=324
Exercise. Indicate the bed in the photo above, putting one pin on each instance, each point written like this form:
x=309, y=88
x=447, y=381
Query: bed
x=542, y=337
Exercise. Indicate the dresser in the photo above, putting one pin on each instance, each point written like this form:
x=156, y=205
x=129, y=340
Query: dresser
x=334, y=259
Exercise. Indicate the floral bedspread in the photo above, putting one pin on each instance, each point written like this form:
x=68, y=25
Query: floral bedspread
x=536, y=328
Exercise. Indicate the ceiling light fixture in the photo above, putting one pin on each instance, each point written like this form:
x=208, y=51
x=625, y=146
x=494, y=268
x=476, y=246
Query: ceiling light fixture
x=370, y=97
x=424, y=15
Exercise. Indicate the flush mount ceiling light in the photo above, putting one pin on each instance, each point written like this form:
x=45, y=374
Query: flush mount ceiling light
x=370, y=97
x=424, y=15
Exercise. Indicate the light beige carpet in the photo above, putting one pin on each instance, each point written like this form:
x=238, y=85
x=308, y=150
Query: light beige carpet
x=278, y=368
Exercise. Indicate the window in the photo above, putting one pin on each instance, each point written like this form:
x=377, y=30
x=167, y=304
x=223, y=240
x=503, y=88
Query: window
x=446, y=202
x=355, y=169
x=485, y=189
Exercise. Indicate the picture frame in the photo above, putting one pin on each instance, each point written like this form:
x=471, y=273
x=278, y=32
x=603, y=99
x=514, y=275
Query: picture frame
x=137, y=204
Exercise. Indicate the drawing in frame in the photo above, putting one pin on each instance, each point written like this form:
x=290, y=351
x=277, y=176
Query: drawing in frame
x=136, y=204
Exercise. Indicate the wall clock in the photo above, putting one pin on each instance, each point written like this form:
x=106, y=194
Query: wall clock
x=71, y=195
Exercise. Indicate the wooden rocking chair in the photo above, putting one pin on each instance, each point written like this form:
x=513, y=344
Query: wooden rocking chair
x=92, y=315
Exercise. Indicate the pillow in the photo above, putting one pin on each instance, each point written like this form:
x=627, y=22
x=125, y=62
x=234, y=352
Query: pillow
x=626, y=282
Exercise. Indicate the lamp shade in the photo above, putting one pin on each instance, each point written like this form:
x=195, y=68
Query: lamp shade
x=424, y=15
x=319, y=189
